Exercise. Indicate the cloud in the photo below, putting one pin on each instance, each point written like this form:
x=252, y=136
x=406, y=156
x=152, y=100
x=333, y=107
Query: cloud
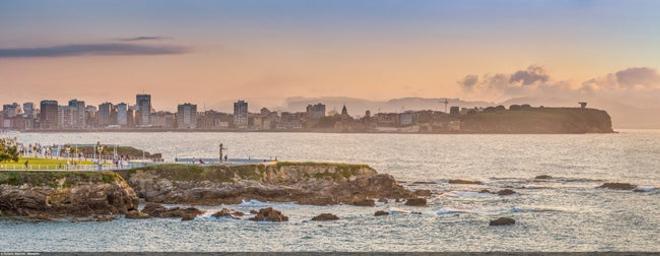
x=104, y=49
x=469, y=82
x=532, y=75
x=143, y=38
x=632, y=77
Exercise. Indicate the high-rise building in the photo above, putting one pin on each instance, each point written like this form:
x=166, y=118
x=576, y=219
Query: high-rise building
x=122, y=114
x=316, y=111
x=28, y=110
x=48, y=117
x=186, y=116
x=78, y=117
x=240, y=114
x=104, y=115
x=11, y=110
x=143, y=109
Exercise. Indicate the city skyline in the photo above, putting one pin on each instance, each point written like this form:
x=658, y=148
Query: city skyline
x=213, y=52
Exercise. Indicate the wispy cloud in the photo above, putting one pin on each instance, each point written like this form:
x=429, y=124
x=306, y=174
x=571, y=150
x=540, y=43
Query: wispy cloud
x=112, y=49
x=143, y=38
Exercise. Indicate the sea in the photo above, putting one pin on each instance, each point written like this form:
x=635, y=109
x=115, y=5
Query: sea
x=565, y=213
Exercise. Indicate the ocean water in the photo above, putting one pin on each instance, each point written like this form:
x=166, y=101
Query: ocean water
x=563, y=214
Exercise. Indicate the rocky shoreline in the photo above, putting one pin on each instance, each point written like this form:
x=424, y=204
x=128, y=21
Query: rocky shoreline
x=106, y=195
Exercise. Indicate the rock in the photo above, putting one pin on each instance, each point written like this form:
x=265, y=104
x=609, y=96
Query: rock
x=383, y=200
x=381, y=213
x=303, y=183
x=543, y=177
x=160, y=211
x=416, y=213
x=364, y=202
x=416, y=202
x=83, y=195
x=502, y=221
x=254, y=211
x=397, y=200
x=424, y=182
x=325, y=217
x=135, y=214
x=422, y=192
x=485, y=191
x=103, y=218
x=464, y=182
x=228, y=213
x=270, y=214
x=505, y=192
x=187, y=217
x=618, y=186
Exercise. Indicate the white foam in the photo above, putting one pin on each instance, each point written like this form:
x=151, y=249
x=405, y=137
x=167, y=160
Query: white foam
x=253, y=203
x=645, y=188
x=468, y=194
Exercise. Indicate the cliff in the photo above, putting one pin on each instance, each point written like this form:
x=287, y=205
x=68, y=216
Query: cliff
x=305, y=183
x=538, y=120
x=60, y=194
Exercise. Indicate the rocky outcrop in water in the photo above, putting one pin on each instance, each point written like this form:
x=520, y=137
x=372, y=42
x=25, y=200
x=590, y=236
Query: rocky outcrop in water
x=228, y=213
x=160, y=211
x=53, y=195
x=502, y=221
x=416, y=202
x=618, y=186
x=464, y=182
x=325, y=217
x=304, y=183
x=269, y=214
x=381, y=213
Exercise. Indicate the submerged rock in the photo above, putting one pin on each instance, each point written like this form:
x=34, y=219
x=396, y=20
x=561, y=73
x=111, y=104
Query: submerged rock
x=103, y=218
x=642, y=189
x=416, y=202
x=543, y=177
x=364, y=202
x=424, y=182
x=187, y=217
x=506, y=192
x=325, y=217
x=270, y=214
x=502, y=221
x=464, y=182
x=618, y=186
x=381, y=213
x=383, y=200
x=423, y=192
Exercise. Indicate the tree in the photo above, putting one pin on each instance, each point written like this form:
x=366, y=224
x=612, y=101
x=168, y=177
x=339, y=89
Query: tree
x=8, y=150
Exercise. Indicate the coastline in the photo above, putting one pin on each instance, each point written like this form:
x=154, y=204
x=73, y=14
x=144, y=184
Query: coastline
x=164, y=130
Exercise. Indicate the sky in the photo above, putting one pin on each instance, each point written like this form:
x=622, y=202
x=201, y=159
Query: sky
x=212, y=52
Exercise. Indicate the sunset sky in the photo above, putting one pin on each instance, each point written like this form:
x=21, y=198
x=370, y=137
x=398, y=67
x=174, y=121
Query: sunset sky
x=212, y=52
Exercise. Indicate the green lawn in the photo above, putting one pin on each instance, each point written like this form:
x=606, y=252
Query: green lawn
x=40, y=163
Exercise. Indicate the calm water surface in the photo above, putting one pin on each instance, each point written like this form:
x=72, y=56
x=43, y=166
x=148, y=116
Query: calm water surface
x=564, y=214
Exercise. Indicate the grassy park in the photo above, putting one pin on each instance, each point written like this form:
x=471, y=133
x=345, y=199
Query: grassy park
x=41, y=163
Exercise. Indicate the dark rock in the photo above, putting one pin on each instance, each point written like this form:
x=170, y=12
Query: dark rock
x=416, y=213
x=424, y=182
x=269, y=214
x=422, y=192
x=502, y=221
x=618, y=186
x=505, y=192
x=135, y=214
x=485, y=191
x=364, y=202
x=254, y=211
x=227, y=213
x=543, y=177
x=416, y=202
x=325, y=217
x=464, y=182
x=160, y=211
x=381, y=213
x=397, y=200
x=383, y=200
x=187, y=217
